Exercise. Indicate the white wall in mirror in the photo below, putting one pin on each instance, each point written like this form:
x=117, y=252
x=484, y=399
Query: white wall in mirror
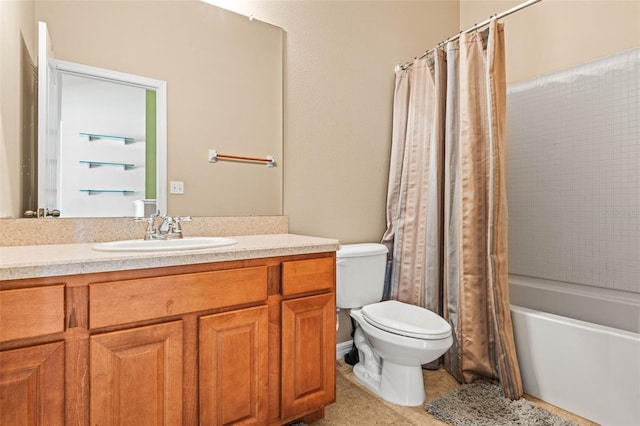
x=101, y=176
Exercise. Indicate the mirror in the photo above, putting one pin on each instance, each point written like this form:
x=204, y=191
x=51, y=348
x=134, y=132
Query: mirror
x=224, y=92
x=101, y=139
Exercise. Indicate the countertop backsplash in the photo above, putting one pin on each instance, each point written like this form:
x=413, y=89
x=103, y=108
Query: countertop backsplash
x=27, y=232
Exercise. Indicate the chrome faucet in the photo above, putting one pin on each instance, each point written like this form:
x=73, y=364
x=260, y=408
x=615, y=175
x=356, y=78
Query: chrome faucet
x=166, y=226
x=169, y=228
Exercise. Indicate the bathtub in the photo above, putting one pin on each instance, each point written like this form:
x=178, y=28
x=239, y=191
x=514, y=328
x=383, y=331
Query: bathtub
x=579, y=347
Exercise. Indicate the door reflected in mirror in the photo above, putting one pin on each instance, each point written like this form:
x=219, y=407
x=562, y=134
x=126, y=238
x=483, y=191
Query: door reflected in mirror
x=105, y=165
x=104, y=141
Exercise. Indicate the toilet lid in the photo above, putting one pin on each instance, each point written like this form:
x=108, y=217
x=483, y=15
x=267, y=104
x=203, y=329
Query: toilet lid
x=407, y=320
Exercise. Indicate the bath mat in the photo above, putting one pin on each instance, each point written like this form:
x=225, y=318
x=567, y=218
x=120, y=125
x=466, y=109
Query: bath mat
x=484, y=404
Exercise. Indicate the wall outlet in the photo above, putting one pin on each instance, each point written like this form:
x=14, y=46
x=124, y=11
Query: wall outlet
x=176, y=187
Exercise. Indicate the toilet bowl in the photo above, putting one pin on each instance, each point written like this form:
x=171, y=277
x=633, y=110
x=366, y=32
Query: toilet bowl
x=394, y=339
x=391, y=359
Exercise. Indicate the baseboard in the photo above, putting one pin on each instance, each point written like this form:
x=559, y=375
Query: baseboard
x=343, y=348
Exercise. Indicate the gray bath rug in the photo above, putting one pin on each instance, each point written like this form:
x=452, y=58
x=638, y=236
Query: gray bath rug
x=484, y=404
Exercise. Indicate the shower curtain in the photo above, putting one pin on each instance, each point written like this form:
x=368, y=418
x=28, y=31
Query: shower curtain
x=446, y=204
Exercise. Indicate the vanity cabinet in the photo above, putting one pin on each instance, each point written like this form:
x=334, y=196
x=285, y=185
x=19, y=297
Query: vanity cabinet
x=234, y=342
x=308, y=335
x=32, y=377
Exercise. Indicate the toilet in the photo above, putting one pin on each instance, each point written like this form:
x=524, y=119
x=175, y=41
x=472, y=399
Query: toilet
x=393, y=339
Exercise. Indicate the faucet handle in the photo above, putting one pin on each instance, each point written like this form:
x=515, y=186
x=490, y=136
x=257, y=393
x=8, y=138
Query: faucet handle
x=151, y=228
x=177, y=228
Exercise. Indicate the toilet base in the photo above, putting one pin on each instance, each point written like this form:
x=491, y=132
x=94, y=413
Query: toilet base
x=397, y=384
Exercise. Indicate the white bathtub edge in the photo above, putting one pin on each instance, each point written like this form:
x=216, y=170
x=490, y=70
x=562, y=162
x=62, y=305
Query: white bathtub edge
x=588, y=369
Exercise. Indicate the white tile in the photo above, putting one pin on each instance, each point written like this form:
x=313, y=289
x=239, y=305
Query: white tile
x=573, y=174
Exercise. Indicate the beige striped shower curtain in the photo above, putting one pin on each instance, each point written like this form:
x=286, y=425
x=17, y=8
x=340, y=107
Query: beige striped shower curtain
x=446, y=203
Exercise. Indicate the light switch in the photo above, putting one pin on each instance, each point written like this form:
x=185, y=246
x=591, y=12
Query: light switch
x=176, y=187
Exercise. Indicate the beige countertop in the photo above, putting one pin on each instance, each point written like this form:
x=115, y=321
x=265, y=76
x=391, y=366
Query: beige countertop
x=70, y=259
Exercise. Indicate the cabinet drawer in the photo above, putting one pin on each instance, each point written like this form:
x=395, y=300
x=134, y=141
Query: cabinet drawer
x=301, y=276
x=30, y=312
x=121, y=302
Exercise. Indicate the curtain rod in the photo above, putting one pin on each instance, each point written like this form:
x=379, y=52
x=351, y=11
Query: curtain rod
x=475, y=27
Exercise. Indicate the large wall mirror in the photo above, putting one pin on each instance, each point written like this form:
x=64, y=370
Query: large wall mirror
x=223, y=74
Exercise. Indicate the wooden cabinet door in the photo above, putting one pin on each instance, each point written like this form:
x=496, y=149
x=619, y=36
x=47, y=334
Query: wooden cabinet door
x=233, y=353
x=32, y=386
x=308, y=354
x=136, y=376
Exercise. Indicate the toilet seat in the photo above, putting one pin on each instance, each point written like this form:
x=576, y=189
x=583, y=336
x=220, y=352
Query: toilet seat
x=406, y=320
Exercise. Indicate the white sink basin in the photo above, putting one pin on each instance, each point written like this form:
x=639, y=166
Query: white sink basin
x=189, y=243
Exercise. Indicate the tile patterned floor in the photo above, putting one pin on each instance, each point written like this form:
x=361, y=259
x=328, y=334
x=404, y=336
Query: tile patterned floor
x=355, y=405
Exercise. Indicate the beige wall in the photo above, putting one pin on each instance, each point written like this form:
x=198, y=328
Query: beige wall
x=339, y=86
x=338, y=91
x=339, y=83
x=17, y=44
x=557, y=34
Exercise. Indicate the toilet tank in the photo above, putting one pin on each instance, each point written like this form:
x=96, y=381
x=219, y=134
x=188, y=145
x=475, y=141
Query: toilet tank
x=360, y=270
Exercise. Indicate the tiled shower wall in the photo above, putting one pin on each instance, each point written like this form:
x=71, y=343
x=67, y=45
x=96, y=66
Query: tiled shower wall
x=573, y=174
